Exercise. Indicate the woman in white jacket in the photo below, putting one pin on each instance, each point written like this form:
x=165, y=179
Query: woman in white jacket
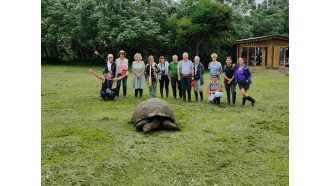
x=163, y=75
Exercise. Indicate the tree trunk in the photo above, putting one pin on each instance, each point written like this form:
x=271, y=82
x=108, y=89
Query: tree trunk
x=197, y=48
x=44, y=51
x=66, y=53
x=81, y=53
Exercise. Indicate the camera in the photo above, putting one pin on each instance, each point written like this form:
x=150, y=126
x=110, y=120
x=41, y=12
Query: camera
x=162, y=72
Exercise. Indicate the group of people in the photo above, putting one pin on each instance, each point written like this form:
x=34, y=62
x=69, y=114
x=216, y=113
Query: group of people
x=183, y=75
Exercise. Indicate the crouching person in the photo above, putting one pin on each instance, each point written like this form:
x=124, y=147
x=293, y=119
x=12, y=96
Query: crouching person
x=214, y=90
x=106, y=92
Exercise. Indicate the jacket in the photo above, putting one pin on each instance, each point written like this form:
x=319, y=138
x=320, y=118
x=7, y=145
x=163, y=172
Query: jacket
x=247, y=73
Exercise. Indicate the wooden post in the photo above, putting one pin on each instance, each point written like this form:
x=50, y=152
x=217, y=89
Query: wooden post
x=263, y=61
x=269, y=56
x=276, y=61
x=247, y=56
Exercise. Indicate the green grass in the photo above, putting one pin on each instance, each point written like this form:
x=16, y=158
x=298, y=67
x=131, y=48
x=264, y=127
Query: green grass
x=88, y=141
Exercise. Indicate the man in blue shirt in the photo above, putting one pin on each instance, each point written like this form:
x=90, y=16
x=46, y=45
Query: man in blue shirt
x=185, y=75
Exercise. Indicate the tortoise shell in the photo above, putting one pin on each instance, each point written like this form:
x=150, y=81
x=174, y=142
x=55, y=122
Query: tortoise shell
x=152, y=107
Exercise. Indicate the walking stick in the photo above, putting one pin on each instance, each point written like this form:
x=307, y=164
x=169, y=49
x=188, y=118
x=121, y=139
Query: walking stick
x=149, y=80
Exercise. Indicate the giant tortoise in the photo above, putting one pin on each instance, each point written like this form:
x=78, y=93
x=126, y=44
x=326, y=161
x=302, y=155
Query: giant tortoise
x=153, y=114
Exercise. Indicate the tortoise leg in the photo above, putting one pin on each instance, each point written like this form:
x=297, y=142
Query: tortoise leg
x=167, y=124
x=155, y=124
x=140, y=124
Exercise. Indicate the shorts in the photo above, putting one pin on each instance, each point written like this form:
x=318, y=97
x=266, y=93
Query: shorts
x=246, y=86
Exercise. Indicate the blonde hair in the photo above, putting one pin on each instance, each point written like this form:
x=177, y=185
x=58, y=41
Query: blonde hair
x=214, y=55
x=197, y=58
x=151, y=56
x=136, y=56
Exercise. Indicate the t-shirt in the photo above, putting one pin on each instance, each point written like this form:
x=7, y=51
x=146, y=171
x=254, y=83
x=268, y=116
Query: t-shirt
x=229, y=71
x=240, y=74
x=122, y=66
x=215, y=85
x=214, y=68
x=173, y=68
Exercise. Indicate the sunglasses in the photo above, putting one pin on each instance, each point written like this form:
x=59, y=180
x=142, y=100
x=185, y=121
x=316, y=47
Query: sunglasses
x=215, y=77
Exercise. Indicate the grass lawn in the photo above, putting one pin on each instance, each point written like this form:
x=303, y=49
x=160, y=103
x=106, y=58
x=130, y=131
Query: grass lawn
x=88, y=141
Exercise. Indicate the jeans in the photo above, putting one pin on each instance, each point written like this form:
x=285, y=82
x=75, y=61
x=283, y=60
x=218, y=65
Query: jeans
x=119, y=82
x=153, y=88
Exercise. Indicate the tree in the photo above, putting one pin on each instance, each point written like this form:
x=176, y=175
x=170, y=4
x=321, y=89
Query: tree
x=73, y=29
x=203, y=27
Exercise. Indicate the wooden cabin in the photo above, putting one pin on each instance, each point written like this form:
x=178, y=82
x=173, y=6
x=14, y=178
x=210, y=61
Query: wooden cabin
x=266, y=51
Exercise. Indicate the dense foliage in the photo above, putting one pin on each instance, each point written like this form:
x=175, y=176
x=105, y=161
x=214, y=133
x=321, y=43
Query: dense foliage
x=71, y=30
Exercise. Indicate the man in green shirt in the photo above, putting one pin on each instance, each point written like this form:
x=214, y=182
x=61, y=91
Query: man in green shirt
x=173, y=76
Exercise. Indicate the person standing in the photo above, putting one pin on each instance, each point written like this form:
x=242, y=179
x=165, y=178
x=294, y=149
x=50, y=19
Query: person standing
x=243, y=79
x=185, y=75
x=214, y=66
x=214, y=90
x=110, y=66
x=138, y=68
x=122, y=68
x=163, y=75
x=173, y=76
x=198, y=78
x=152, y=73
x=230, y=85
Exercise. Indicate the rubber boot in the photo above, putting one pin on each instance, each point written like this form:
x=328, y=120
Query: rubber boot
x=184, y=96
x=228, y=98
x=189, y=96
x=118, y=91
x=251, y=99
x=140, y=92
x=125, y=90
x=218, y=101
x=136, y=93
x=174, y=92
x=243, y=101
x=234, y=98
x=196, y=96
x=201, y=95
x=180, y=94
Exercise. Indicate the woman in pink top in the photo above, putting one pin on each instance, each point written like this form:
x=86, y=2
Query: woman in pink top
x=122, y=67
